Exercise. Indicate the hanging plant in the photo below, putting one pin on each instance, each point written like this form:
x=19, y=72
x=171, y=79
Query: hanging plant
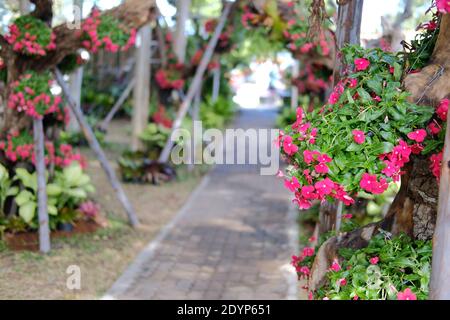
x=170, y=78
x=31, y=36
x=334, y=153
x=31, y=95
x=104, y=31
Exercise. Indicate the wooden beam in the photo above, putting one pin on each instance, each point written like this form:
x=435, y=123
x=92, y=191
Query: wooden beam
x=440, y=268
x=95, y=146
x=141, y=92
x=164, y=156
x=39, y=147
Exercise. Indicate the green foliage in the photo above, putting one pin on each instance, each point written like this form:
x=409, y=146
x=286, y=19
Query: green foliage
x=384, y=122
x=421, y=48
x=216, y=114
x=154, y=136
x=70, y=187
x=403, y=263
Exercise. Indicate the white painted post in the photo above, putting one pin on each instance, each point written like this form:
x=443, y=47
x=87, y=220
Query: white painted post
x=44, y=229
x=141, y=92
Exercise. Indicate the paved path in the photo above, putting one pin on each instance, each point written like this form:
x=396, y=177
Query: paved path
x=232, y=240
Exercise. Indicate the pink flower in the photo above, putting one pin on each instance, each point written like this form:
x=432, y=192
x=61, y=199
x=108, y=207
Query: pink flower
x=292, y=184
x=436, y=161
x=347, y=216
x=443, y=109
x=304, y=270
x=308, y=251
x=308, y=156
x=306, y=47
x=374, y=260
x=324, y=158
x=443, y=6
x=288, y=146
x=324, y=187
x=355, y=297
x=342, y=282
x=358, y=136
x=321, y=168
x=434, y=128
x=361, y=64
x=335, y=266
x=418, y=135
x=307, y=192
x=407, y=294
x=369, y=183
x=353, y=83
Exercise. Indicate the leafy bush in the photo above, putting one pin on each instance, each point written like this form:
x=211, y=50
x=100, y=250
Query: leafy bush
x=336, y=154
x=385, y=269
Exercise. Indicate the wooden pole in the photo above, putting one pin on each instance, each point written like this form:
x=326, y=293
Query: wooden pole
x=141, y=93
x=164, y=156
x=44, y=230
x=180, y=39
x=105, y=123
x=95, y=146
x=440, y=268
x=216, y=84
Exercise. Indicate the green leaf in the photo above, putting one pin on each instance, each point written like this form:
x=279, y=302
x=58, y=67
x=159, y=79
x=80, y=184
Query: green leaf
x=354, y=147
x=52, y=210
x=375, y=85
x=28, y=180
x=365, y=96
x=12, y=191
x=27, y=211
x=23, y=197
x=382, y=147
x=53, y=190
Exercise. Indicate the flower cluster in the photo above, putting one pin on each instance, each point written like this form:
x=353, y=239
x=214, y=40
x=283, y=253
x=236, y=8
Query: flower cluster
x=160, y=117
x=169, y=79
x=19, y=146
x=376, y=272
x=361, y=139
x=31, y=36
x=31, y=95
x=104, y=31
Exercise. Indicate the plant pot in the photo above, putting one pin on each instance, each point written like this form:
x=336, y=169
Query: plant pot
x=65, y=226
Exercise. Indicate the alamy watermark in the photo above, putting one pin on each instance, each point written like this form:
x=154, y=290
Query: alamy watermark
x=231, y=146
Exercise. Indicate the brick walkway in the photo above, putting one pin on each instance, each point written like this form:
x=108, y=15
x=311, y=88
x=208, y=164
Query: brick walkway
x=232, y=240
